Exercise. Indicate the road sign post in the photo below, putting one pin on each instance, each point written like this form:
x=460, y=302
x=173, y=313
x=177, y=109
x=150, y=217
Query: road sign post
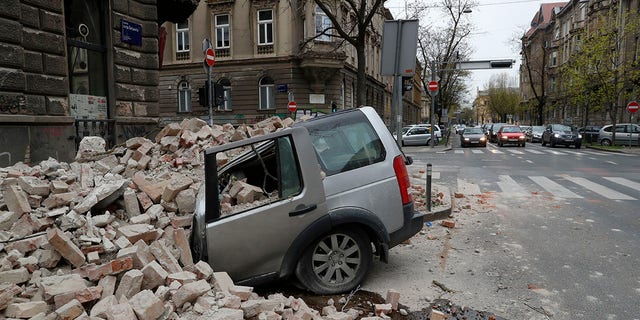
x=293, y=107
x=209, y=59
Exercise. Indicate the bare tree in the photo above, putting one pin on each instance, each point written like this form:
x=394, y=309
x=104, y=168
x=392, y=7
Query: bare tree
x=504, y=97
x=444, y=46
x=361, y=14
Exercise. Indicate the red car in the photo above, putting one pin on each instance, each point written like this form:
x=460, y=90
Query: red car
x=511, y=135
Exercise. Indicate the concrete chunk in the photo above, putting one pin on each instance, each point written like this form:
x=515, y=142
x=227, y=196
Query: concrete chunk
x=154, y=275
x=55, y=285
x=190, y=292
x=146, y=305
x=164, y=257
x=34, y=186
x=26, y=310
x=16, y=200
x=130, y=284
x=15, y=276
x=71, y=310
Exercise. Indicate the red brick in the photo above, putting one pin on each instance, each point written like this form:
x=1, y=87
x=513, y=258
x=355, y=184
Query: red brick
x=65, y=247
x=182, y=221
x=448, y=223
x=145, y=201
x=146, y=305
x=393, y=297
x=164, y=257
x=182, y=243
x=112, y=267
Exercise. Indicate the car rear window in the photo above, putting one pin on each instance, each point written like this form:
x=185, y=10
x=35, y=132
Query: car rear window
x=345, y=142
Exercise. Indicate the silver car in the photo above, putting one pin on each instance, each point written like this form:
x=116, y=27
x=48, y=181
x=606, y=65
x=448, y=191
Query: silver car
x=415, y=135
x=323, y=197
x=626, y=134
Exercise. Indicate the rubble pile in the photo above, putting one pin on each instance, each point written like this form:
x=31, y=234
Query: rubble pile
x=106, y=236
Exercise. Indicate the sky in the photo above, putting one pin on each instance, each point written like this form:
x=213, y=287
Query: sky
x=496, y=24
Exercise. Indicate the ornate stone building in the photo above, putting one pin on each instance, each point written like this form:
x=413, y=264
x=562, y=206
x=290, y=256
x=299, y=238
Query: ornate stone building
x=270, y=52
x=70, y=68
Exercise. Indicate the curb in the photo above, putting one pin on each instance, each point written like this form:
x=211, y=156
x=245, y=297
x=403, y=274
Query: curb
x=442, y=211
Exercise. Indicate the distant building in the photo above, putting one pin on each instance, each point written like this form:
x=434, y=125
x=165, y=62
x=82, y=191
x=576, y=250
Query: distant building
x=267, y=53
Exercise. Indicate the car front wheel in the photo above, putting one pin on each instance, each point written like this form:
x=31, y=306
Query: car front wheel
x=335, y=263
x=605, y=142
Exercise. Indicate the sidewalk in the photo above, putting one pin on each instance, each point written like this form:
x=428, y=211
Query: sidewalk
x=440, y=194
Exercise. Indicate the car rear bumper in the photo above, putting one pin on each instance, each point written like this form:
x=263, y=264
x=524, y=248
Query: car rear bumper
x=413, y=223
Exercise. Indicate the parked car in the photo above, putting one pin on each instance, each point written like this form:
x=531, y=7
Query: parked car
x=560, y=134
x=438, y=133
x=325, y=196
x=473, y=136
x=590, y=133
x=493, y=131
x=460, y=128
x=536, y=134
x=509, y=134
x=626, y=134
x=415, y=135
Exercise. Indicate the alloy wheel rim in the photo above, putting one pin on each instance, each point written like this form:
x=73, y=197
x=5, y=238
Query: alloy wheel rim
x=336, y=259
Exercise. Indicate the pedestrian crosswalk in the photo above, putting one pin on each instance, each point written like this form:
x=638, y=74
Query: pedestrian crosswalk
x=558, y=186
x=536, y=151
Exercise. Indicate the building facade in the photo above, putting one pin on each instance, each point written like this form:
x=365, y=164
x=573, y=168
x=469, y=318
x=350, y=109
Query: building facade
x=71, y=68
x=270, y=52
x=558, y=32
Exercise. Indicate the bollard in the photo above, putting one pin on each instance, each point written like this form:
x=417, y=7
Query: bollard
x=428, y=187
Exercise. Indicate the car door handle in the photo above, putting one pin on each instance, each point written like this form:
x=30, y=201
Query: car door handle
x=302, y=209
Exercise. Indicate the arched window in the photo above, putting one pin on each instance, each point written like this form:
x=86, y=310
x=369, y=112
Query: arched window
x=267, y=97
x=184, y=97
x=323, y=25
x=227, y=105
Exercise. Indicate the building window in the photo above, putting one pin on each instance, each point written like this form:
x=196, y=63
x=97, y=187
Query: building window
x=267, y=98
x=184, y=97
x=226, y=85
x=553, y=59
x=265, y=27
x=222, y=31
x=182, y=37
x=323, y=25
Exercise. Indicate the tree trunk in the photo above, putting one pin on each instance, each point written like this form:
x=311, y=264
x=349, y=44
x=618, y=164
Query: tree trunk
x=361, y=80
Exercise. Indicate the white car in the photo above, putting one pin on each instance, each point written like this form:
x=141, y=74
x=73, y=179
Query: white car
x=438, y=131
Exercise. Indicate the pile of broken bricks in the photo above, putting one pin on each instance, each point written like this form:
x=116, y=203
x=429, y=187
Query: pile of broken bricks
x=106, y=236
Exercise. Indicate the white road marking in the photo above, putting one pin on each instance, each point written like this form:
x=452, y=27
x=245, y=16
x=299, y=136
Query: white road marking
x=477, y=151
x=529, y=161
x=555, y=152
x=466, y=187
x=510, y=186
x=624, y=182
x=495, y=151
x=534, y=151
x=554, y=188
x=516, y=151
x=599, y=189
x=613, y=163
x=458, y=151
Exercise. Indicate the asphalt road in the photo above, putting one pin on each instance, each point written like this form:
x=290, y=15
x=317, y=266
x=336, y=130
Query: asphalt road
x=541, y=233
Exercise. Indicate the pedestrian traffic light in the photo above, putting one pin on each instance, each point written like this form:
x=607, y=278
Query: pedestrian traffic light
x=218, y=95
x=203, y=94
x=407, y=84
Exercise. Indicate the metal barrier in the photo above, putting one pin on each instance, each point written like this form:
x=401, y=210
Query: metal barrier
x=94, y=127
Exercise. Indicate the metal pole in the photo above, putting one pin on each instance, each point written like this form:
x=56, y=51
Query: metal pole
x=210, y=93
x=429, y=168
x=398, y=86
x=433, y=105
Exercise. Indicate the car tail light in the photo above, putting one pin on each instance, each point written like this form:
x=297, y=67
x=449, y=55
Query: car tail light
x=403, y=179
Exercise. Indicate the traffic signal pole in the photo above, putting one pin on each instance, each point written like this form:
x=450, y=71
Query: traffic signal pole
x=210, y=93
x=433, y=106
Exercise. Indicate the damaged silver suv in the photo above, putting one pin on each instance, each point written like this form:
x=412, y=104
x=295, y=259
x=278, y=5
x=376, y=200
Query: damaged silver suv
x=316, y=201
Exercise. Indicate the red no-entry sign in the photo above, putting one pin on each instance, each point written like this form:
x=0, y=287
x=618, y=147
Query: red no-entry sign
x=292, y=106
x=433, y=86
x=633, y=107
x=209, y=57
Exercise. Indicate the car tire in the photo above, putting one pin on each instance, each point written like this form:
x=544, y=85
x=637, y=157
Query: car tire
x=523, y=144
x=543, y=143
x=552, y=144
x=347, y=249
x=605, y=142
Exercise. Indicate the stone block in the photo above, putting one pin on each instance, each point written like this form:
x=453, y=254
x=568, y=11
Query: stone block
x=154, y=275
x=16, y=200
x=190, y=292
x=108, y=284
x=65, y=247
x=222, y=281
x=182, y=243
x=164, y=257
x=34, y=186
x=71, y=310
x=146, y=305
x=15, y=276
x=63, y=284
x=393, y=298
x=130, y=284
x=203, y=270
x=26, y=309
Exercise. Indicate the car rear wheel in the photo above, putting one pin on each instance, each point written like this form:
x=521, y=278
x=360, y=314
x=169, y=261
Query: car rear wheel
x=337, y=262
x=605, y=142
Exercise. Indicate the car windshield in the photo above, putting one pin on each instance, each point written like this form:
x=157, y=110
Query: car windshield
x=560, y=127
x=511, y=129
x=473, y=131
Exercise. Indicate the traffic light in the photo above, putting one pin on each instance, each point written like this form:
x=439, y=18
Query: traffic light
x=501, y=63
x=218, y=95
x=407, y=84
x=203, y=94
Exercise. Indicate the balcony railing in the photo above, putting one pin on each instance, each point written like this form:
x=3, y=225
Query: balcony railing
x=265, y=49
x=224, y=52
x=183, y=55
